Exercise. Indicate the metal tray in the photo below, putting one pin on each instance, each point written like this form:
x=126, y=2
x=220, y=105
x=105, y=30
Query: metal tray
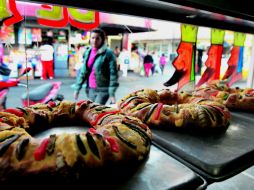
x=160, y=171
x=244, y=115
x=215, y=157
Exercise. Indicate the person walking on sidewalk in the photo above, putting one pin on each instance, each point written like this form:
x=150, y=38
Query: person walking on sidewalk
x=79, y=59
x=47, y=59
x=163, y=61
x=124, y=61
x=99, y=71
x=148, y=64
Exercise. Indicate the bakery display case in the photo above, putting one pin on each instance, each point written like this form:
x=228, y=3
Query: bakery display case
x=181, y=160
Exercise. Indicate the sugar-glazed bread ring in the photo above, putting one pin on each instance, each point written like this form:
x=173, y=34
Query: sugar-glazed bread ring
x=233, y=98
x=114, y=140
x=174, y=110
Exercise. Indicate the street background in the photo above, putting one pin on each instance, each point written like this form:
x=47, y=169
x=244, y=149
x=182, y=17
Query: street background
x=132, y=82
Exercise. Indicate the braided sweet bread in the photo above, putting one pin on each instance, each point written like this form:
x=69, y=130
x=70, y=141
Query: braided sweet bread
x=175, y=110
x=114, y=140
x=232, y=98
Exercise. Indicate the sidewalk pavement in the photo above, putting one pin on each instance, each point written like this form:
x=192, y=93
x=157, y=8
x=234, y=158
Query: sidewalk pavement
x=132, y=82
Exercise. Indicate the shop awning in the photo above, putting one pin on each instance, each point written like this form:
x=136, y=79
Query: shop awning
x=229, y=15
x=113, y=24
x=115, y=29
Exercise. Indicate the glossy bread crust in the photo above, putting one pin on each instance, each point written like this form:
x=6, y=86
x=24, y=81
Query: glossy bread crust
x=172, y=110
x=113, y=140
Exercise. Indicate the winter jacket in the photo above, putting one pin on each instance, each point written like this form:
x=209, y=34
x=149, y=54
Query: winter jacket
x=105, y=70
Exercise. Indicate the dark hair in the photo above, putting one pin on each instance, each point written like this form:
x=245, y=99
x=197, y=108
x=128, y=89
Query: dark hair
x=101, y=33
x=79, y=46
x=47, y=40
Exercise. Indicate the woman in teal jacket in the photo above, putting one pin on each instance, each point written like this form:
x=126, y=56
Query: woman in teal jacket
x=99, y=71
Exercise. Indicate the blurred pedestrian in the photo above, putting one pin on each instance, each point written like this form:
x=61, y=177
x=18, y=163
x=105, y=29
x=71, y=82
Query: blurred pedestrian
x=79, y=59
x=156, y=63
x=117, y=51
x=124, y=61
x=47, y=59
x=148, y=64
x=99, y=70
x=199, y=61
x=163, y=61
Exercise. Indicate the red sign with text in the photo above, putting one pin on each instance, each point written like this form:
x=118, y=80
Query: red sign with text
x=52, y=16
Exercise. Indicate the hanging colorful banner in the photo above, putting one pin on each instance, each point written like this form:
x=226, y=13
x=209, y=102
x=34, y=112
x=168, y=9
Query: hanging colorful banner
x=235, y=62
x=4, y=12
x=184, y=63
x=52, y=16
x=213, y=62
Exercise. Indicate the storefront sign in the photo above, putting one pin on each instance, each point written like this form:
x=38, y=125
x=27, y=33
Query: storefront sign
x=52, y=16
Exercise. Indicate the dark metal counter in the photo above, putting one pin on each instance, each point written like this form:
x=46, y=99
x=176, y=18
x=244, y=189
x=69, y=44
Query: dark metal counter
x=163, y=172
x=216, y=157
